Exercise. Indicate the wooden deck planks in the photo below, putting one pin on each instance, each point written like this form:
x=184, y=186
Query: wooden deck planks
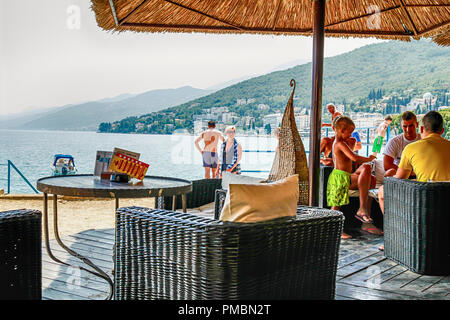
x=363, y=272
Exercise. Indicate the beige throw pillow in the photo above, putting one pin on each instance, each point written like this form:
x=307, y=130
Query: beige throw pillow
x=261, y=202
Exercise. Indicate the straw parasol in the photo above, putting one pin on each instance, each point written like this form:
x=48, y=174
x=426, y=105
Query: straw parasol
x=383, y=19
x=442, y=39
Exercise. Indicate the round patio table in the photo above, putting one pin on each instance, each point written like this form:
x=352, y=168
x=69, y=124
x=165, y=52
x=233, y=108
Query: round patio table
x=86, y=185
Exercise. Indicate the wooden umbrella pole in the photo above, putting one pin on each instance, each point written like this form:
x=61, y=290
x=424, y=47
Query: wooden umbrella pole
x=316, y=100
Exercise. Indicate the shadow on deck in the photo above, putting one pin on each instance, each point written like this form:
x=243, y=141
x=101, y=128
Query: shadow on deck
x=363, y=272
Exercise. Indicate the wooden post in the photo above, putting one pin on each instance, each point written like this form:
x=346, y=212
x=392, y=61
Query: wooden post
x=316, y=100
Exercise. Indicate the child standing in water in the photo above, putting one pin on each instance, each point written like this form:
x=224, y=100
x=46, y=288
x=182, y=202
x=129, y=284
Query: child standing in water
x=341, y=178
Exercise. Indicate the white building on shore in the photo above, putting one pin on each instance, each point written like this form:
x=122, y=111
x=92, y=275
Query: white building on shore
x=274, y=120
x=366, y=119
x=302, y=121
x=200, y=126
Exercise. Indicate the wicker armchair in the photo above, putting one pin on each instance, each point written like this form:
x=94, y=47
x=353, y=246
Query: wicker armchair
x=163, y=254
x=417, y=224
x=20, y=255
x=203, y=192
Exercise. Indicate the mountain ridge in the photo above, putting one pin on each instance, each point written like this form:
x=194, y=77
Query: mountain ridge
x=87, y=116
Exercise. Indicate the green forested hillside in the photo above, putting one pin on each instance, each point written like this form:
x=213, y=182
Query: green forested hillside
x=392, y=66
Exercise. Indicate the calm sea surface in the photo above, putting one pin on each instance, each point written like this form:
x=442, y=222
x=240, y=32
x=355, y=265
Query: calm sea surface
x=168, y=155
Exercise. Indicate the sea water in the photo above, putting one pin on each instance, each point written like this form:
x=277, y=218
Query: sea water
x=168, y=155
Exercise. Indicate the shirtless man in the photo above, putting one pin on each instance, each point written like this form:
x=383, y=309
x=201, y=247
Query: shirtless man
x=210, y=156
x=381, y=133
x=331, y=109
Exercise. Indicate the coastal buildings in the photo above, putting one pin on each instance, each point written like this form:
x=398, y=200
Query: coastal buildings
x=366, y=119
x=230, y=118
x=248, y=123
x=200, y=125
x=273, y=120
x=263, y=106
x=139, y=126
x=303, y=122
x=369, y=114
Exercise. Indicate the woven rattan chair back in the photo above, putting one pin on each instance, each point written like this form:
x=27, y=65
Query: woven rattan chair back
x=20, y=255
x=162, y=254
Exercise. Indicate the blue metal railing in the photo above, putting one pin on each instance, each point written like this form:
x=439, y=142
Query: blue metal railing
x=11, y=165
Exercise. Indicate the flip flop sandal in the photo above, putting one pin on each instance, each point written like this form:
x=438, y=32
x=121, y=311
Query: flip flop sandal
x=362, y=220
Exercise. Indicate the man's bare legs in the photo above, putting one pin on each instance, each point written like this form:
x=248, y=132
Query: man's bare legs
x=370, y=227
x=344, y=235
x=208, y=172
x=389, y=173
x=360, y=180
x=381, y=200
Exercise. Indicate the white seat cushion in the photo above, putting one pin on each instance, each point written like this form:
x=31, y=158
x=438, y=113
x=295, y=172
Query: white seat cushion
x=231, y=178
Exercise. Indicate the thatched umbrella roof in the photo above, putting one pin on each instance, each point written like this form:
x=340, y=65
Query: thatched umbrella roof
x=443, y=38
x=384, y=19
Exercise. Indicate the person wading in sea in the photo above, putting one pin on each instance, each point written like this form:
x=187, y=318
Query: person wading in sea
x=209, y=153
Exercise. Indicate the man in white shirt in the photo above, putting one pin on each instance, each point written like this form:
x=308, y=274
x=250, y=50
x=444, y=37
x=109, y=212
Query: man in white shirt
x=395, y=146
x=394, y=149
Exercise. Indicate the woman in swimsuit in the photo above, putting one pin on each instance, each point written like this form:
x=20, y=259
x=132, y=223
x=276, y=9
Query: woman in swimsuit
x=231, y=153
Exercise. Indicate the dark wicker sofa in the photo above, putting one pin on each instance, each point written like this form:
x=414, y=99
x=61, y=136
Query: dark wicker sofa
x=351, y=224
x=203, y=192
x=417, y=225
x=162, y=254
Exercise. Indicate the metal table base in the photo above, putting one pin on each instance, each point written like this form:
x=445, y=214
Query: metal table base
x=98, y=272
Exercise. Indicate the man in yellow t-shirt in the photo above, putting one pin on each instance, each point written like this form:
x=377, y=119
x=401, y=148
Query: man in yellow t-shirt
x=429, y=158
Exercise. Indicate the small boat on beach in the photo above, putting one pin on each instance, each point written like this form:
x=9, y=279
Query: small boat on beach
x=63, y=165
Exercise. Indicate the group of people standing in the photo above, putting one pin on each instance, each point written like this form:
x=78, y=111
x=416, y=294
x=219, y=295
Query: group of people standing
x=217, y=160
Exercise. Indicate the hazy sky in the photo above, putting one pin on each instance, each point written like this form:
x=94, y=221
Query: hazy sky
x=46, y=60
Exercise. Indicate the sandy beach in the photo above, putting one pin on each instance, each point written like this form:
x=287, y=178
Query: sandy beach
x=76, y=215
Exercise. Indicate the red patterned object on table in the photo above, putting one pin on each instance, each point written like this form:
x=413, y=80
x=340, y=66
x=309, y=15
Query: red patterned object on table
x=124, y=164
